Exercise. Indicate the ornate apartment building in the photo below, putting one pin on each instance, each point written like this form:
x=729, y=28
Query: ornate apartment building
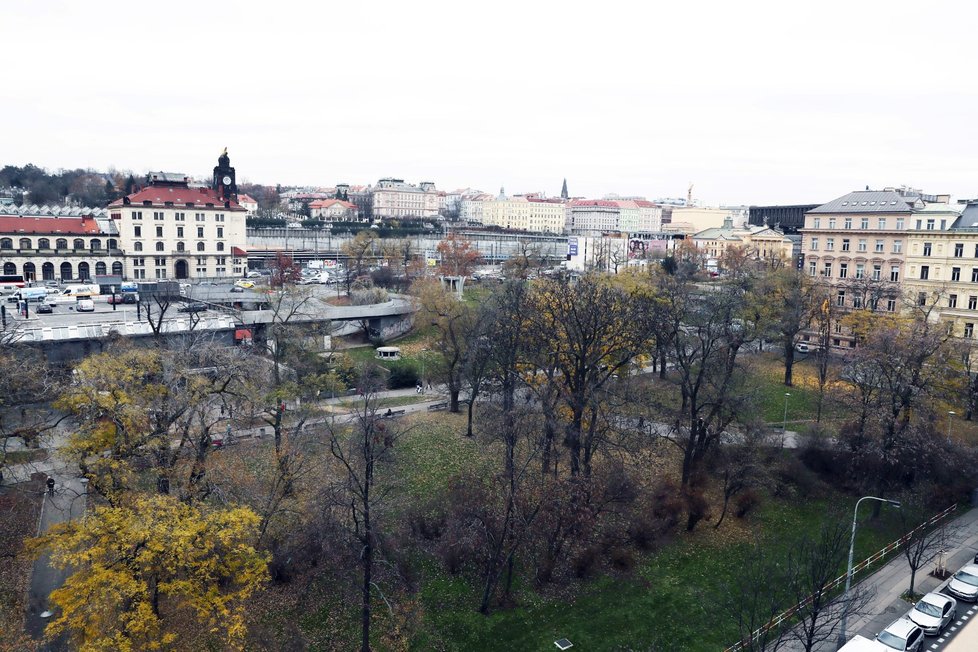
x=524, y=213
x=395, y=198
x=170, y=230
x=942, y=268
x=866, y=246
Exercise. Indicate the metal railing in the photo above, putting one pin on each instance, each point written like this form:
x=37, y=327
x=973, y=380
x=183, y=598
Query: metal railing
x=777, y=621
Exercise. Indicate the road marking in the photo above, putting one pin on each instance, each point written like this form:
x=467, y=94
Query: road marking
x=933, y=646
x=940, y=640
x=954, y=629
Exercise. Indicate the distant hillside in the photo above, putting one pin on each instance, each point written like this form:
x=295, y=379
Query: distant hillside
x=30, y=184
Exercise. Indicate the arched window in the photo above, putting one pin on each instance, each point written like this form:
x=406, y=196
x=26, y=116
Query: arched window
x=83, y=273
x=78, y=244
x=159, y=246
x=61, y=243
x=47, y=271
x=99, y=269
x=111, y=244
x=95, y=244
x=9, y=268
x=44, y=243
x=117, y=268
x=181, y=246
x=25, y=243
x=66, y=271
x=200, y=246
x=220, y=246
x=6, y=243
x=30, y=272
x=138, y=246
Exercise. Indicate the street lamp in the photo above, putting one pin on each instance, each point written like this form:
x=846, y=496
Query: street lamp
x=950, y=413
x=784, y=422
x=852, y=543
x=423, y=351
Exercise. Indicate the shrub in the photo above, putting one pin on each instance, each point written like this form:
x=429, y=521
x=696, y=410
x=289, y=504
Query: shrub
x=403, y=374
x=622, y=558
x=585, y=563
x=697, y=508
x=746, y=502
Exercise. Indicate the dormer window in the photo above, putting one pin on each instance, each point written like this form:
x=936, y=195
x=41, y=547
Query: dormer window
x=147, y=203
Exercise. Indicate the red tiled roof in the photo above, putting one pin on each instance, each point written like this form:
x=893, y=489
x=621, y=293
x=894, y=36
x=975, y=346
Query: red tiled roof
x=179, y=196
x=14, y=224
x=644, y=203
x=238, y=252
x=246, y=198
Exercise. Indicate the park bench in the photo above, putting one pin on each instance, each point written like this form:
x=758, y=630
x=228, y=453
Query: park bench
x=434, y=407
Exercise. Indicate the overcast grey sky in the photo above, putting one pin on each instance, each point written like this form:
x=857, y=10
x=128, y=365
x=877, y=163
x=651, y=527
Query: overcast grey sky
x=752, y=102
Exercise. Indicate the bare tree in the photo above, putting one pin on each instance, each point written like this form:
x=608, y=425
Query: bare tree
x=363, y=451
x=921, y=542
x=813, y=565
x=754, y=598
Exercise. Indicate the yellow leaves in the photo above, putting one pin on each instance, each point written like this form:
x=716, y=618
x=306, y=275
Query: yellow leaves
x=135, y=566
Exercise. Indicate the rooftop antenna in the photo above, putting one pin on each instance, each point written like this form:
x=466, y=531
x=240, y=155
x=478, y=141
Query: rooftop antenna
x=689, y=194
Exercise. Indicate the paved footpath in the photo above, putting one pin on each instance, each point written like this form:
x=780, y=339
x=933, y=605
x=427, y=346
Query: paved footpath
x=893, y=579
x=67, y=502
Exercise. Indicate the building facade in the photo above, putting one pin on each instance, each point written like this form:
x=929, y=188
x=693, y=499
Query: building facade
x=788, y=219
x=170, y=230
x=395, y=198
x=942, y=266
x=523, y=213
x=333, y=210
x=58, y=244
x=757, y=243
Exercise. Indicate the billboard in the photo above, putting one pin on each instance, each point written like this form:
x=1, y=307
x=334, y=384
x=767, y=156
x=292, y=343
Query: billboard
x=571, y=246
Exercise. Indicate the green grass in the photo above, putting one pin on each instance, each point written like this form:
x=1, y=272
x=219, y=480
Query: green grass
x=767, y=379
x=24, y=456
x=671, y=600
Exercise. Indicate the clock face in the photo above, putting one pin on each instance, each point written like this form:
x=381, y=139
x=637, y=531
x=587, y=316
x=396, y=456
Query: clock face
x=227, y=181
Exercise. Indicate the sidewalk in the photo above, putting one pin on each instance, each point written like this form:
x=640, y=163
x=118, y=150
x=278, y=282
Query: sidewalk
x=65, y=504
x=893, y=579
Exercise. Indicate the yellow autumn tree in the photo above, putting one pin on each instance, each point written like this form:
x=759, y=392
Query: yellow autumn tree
x=141, y=572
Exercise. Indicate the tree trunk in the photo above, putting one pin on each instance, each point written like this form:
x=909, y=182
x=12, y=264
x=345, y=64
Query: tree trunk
x=453, y=400
x=789, y=361
x=368, y=562
x=913, y=576
x=468, y=433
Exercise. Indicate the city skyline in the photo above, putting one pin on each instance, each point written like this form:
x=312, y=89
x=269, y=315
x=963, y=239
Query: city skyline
x=750, y=106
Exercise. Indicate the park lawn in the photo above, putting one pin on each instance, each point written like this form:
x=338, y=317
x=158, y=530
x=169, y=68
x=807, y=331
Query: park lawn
x=767, y=379
x=671, y=600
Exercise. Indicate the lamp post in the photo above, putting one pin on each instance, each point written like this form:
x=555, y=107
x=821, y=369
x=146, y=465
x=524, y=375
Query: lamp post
x=852, y=543
x=423, y=351
x=784, y=422
x=950, y=414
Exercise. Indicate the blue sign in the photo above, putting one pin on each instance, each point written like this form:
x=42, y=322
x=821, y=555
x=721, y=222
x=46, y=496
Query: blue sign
x=571, y=246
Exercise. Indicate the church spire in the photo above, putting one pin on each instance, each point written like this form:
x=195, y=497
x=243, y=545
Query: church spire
x=563, y=191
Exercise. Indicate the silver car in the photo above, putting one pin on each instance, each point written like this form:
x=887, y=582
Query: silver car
x=964, y=583
x=902, y=635
x=933, y=612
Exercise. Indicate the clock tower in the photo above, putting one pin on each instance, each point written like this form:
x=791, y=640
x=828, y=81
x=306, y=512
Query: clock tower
x=223, y=181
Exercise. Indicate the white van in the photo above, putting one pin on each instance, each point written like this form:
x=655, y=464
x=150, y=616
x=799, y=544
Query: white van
x=81, y=290
x=859, y=644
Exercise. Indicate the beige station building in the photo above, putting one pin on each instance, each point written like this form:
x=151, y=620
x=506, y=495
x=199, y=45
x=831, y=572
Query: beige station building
x=171, y=230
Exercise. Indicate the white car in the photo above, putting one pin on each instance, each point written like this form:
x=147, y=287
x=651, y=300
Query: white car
x=964, y=583
x=903, y=635
x=802, y=347
x=85, y=305
x=933, y=612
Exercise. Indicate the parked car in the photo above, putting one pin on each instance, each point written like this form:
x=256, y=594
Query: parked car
x=254, y=274
x=237, y=288
x=903, y=635
x=194, y=306
x=245, y=284
x=933, y=612
x=128, y=297
x=43, y=309
x=85, y=305
x=802, y=347
x=964, y=583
